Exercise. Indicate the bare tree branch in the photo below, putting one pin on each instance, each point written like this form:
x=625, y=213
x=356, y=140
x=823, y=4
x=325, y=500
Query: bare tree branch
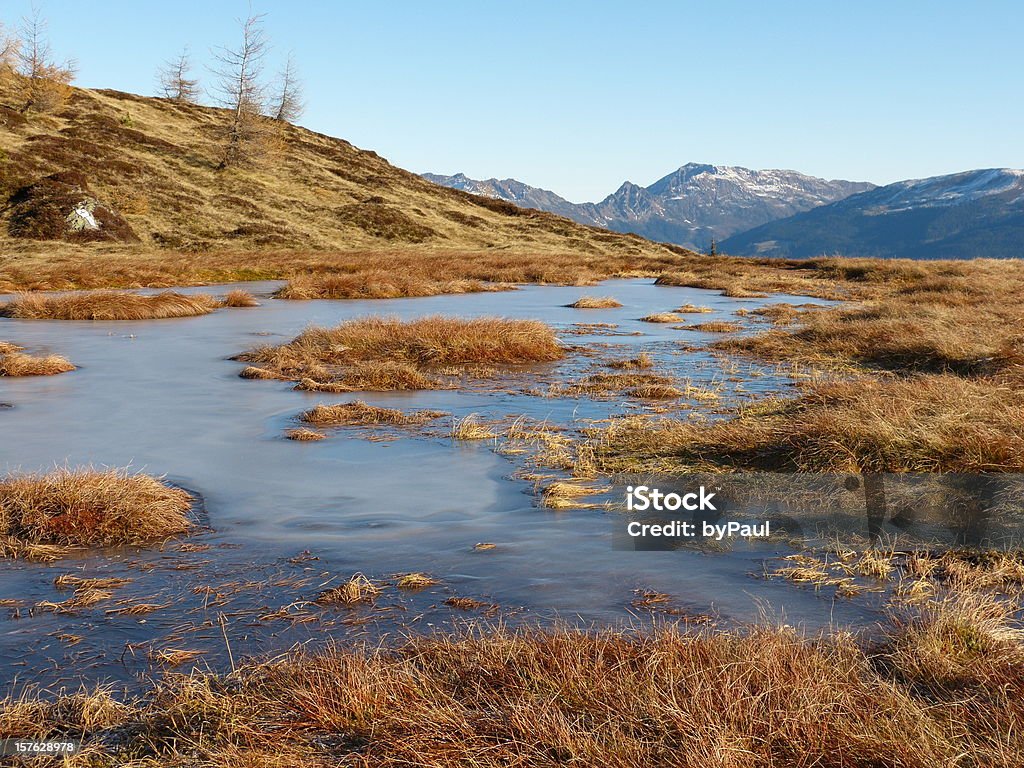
x=175, y=83
x=288, y=105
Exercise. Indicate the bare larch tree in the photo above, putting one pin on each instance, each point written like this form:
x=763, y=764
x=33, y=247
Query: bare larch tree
x=175, y=83
x=241, y=89
x=9, y=47
x=287, y=105
x=46, y=81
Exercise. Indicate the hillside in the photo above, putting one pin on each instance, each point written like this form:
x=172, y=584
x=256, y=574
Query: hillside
x=975, y=214
x=146, y=172
x=688, y=207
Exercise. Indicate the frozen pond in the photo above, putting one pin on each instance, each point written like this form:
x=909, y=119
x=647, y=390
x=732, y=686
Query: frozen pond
x=164, y=397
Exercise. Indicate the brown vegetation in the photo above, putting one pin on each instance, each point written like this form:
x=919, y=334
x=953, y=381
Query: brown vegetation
x=388, y=353
x=943, y=685
x=376, y=285
x=663, y=317
x=239, y=298
x=14, y=363
x=714, y=326
x=40, y=514
x=595, y=302
x=645, y=386
x=937, y=423
x=641, y=362
x=936, y=355
x=359, y=413
x=304, y=435
x=107, y=305
x=472, y=427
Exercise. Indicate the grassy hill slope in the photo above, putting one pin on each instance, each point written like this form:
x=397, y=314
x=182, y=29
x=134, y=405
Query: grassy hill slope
x=155, y=163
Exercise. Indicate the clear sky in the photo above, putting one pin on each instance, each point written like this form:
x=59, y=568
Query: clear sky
x=579, y=96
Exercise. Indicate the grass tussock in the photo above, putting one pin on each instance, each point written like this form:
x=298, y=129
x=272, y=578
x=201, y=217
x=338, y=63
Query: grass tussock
x=415, y=581
x=359, y=413
x=692, y=309
x=239, y=298
x=382, y=353
x=471, y=427
x=928, y=423
x=84, y=507
x=107, y=305
x=13, y=362
x=595, y=302
x=304, y=435
x=715, y=326
x=632, y=383
x=641, y=362
x=358, y=589
x=377, y=284
x=945, y=683
x=663, y=317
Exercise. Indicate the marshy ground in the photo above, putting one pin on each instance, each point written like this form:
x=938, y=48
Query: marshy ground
x=808, y=393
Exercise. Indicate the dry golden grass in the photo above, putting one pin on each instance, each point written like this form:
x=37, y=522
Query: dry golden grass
x=663, y=317
x=379, y=353
x=595, y=302
x=70, y=581
x=304, y=435
x=472, y=428
x=239, y=298
x=652, y=386
x=359, y=413
x=928, y=423
x=714, y=326
x=692, y=309
x=107, y=305
x=374, y=284
x=86, y=507
x=641, y=362
x=358, y=589
x=944, y=685
x=14, y=363
x=415, y=581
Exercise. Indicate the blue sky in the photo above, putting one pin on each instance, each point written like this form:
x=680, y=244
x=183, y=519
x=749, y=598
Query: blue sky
x=579, y=96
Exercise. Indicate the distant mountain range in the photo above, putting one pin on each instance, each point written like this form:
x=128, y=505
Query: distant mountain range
x=688, y=207
x=960, y=216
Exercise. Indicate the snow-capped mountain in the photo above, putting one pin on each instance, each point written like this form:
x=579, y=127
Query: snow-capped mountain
x=959, y=216
x=689, y=207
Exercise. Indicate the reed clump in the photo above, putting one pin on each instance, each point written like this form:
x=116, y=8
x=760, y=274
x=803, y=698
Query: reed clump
x=926, y=423
x=635, y=382
x=641, y=362
x=663, y=317
x=239, y=298
x=87, y=507
x=13, y=362
x=472, y=427
x=359, y=413
x=377, y=284
x=595, y=302
x=715, y=326
x=382, y=353
x=107, y=305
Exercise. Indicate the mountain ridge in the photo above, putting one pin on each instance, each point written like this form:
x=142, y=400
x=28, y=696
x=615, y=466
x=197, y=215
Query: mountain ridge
x=690, y=206
x=970, y=214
